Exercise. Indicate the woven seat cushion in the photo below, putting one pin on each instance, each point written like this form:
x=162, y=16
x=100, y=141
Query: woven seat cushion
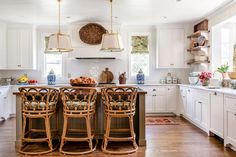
x=79, y=105
x=120, y=105
x=39, y=105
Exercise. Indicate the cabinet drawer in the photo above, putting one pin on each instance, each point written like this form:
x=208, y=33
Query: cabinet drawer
x=230, y=103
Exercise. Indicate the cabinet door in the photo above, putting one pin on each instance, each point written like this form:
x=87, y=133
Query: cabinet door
x=189, y=107
x=149, y=103
x=149, y=99
x=14, y=55
x=3, y=51
x=160, y=100
x=183, y=100
x=177, y=45
x=4, y=106
x=217, y=114
x=170, y=48
x=230, y=127
x=1, y=103
x=204, y=114
x=197, y=111
x=171, y=104
x=26, y=48
x=164, y=49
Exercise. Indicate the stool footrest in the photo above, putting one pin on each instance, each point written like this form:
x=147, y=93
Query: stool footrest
x=120, y=138
x=35, y=140
x=75, y=139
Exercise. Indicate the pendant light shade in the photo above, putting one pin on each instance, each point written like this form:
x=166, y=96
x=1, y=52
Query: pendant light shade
x=59, y=42
x=111, y=42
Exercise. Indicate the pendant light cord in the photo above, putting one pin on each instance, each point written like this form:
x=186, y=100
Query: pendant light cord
x=59, y=16
x=111, y=17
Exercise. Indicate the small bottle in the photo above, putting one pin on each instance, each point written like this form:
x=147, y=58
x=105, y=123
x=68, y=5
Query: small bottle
x=169, y=78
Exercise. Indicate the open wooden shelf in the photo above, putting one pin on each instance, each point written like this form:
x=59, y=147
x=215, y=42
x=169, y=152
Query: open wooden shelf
x=198, y=62
x=198, y=34
x=199, y=48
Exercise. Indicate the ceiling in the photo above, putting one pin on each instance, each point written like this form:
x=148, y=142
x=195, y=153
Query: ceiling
x=130, y=12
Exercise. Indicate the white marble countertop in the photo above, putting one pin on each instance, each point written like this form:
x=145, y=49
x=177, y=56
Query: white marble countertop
x=228, y=91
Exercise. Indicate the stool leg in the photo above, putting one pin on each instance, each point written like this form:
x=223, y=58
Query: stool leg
x=107, y=133
x=48, y=131
x=131, y=123
x=88, y=126
x=23, y=127
x=64, y=132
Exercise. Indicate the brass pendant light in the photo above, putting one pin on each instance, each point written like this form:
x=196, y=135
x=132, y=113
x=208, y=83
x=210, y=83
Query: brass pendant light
x=59, y=42
x=111, y=42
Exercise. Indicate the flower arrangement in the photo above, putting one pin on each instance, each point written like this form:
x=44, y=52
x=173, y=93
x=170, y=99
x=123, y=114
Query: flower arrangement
x=205, y=77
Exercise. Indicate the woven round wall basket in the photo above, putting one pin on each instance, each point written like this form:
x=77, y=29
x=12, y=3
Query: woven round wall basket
x=92, y=33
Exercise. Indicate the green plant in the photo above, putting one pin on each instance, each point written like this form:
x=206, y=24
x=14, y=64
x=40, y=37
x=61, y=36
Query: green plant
x=223, y=68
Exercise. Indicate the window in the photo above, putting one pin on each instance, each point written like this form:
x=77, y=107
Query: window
x=52, y=61
x=226, y=47
x=223, y=46
x=139, y=58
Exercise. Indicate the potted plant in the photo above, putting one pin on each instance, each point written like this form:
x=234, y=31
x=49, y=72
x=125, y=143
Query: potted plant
x=205, y=77
x=223, y=69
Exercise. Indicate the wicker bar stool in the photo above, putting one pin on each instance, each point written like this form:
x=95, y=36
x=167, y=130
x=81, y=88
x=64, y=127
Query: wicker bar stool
x=38, y=103
x=78, y=102
x=119, y=102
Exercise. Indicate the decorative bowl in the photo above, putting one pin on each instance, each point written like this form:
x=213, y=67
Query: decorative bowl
x=232, y=75
x=193, y=80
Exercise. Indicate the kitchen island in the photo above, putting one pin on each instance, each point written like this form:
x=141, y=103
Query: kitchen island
x=139, y=118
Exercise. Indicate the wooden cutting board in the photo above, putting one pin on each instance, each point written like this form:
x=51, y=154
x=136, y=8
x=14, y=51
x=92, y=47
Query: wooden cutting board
x=106, y=76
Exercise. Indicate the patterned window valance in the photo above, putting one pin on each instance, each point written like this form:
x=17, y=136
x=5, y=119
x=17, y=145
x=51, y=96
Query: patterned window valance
x=139, y=44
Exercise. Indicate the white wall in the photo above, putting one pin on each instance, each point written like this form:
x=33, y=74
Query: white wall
x=85, y=67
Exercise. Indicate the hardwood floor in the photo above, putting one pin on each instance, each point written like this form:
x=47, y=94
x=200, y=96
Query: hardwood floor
x=184, y=140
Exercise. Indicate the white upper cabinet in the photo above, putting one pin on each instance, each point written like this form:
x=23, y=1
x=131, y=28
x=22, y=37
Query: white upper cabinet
x=170, y=48
x=20, y=46
x=3, y=51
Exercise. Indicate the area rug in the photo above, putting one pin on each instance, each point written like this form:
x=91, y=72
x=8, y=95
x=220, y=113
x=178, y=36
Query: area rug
x=161, y=121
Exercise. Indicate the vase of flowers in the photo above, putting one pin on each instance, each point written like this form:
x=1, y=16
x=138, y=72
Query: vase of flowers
x=205, y=77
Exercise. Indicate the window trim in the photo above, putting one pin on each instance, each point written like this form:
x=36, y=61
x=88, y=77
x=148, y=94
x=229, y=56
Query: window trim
x=41, y=59
x=130, y=49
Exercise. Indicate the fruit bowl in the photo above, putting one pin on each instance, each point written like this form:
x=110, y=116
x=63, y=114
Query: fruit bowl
x=83, y=85
x=83, y=82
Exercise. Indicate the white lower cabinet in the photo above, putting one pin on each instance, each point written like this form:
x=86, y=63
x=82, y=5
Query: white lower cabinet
x=217, y=114
x=195, y=104
x=161, y=99
x=230, y=121
x=5, y=102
